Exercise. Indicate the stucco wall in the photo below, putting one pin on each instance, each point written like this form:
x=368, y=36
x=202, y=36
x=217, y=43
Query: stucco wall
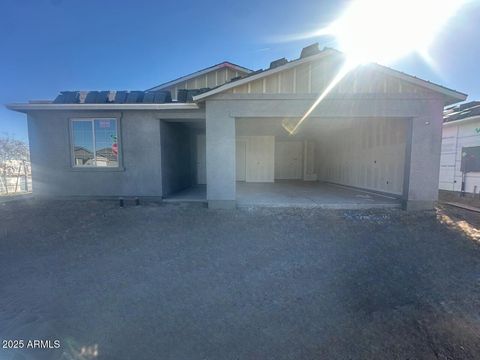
x=53, y=175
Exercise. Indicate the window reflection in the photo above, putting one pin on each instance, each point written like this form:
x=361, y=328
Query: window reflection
x=95, y=142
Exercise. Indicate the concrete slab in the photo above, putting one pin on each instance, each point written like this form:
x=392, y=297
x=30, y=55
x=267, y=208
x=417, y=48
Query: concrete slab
x=197, y=193
x=310, y=194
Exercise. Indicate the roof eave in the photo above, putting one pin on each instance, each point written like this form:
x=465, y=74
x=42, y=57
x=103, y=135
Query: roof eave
x=460, y=121
x=26, y=107
x=199, y=73
x=456, y=98
x=451, y=96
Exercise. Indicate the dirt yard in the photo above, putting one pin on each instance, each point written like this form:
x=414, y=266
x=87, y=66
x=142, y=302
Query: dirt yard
x=185, y=282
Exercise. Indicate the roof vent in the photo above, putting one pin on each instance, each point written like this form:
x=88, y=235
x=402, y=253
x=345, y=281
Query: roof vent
x=310, y=50
x=278, y=63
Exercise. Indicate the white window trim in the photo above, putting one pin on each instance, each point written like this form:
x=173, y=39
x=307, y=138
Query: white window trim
x=119, y=167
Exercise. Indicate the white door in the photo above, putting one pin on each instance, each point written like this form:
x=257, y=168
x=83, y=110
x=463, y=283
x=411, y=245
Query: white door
x=260, y=159
x=288, y=159
x=201, y=160
x=240, y=159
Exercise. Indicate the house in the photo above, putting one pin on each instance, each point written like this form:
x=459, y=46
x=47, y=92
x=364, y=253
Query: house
x=460, y=156
x=378, y=130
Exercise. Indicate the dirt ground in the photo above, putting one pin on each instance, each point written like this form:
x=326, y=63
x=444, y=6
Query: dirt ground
x=451, y=196
x=185, y=282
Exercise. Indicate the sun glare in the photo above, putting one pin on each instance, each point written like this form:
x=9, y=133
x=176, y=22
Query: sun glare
x=386, y=30
x=383, y=31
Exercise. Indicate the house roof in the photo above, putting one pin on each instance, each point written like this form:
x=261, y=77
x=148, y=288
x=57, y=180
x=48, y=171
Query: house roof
x=452, y=96
x=225, y=64
x=158, y=99
x=462, y=112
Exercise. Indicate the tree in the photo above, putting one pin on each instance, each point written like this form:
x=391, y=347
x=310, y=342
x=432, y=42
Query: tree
x=11, y=151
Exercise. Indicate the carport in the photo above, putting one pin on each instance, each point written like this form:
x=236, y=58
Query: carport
x=379, y=131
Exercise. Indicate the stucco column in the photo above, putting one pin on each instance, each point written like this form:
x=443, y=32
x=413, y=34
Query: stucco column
x=220, y=138
x=422, y=160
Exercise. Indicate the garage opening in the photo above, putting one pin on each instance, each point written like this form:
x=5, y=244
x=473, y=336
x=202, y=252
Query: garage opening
x=330, y=163
x=183, y=149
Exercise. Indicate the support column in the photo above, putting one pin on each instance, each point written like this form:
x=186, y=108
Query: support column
x=422, y=160
x=220, y=138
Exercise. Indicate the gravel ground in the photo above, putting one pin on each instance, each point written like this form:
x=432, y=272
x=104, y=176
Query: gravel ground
x=185, y=282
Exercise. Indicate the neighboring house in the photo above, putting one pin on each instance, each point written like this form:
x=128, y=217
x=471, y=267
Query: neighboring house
x=379, y=129
x=460, y=160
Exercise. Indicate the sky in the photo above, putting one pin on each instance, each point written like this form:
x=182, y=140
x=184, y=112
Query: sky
x=47, y=46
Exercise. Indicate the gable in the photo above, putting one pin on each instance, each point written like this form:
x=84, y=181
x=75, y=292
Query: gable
x=312, y=75
x=207, y=78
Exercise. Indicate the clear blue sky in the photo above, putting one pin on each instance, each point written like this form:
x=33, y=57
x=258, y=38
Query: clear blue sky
x=52, y=45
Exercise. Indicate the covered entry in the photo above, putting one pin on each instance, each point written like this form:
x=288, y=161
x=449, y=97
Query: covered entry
x=183, y=157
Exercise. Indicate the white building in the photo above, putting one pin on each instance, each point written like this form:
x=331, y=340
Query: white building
x=461, y=140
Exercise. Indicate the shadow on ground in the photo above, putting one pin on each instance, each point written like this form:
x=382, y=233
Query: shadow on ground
x=184, y=282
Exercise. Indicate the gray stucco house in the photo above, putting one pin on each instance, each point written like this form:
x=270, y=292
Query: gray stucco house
x=378, y=130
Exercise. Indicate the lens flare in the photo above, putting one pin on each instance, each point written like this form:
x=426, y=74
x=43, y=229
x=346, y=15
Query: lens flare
x=386, y=30
x=344, y=70
x=383, y=31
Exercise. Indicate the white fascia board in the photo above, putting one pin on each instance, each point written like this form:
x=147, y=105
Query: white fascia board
x=456, y=95
x=200, y=73
x=25, y=107
x=461, y=121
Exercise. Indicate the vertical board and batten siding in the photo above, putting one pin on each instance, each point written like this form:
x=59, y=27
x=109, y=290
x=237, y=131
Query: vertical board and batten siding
x=314, y=77
x=210, y=79
x=454, y=138
x=364, y=153
x=289, y=160
x=260, y=155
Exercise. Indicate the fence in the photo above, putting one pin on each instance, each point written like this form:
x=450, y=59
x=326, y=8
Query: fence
x=16, y=178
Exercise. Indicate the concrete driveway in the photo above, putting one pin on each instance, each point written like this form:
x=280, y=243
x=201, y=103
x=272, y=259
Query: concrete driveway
x=184, y=282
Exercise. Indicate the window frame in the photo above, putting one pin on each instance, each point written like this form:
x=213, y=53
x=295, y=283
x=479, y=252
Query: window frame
x=91, y=119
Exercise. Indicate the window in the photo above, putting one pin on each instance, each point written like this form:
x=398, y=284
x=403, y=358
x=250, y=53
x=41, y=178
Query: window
x=95, y=142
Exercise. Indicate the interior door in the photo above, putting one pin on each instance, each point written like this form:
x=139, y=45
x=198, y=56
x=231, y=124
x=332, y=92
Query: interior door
x=240, y=159
x=260, y=159
x=201, y=159
x=288, y=160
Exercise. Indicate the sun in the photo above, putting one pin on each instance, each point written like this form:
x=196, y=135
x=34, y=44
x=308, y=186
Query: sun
x=384, y=31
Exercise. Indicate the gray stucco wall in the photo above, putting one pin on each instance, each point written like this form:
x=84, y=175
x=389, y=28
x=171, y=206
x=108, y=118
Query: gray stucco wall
x=220, y=138
x=53, y=175
x=422, y=163
x=178, y=157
